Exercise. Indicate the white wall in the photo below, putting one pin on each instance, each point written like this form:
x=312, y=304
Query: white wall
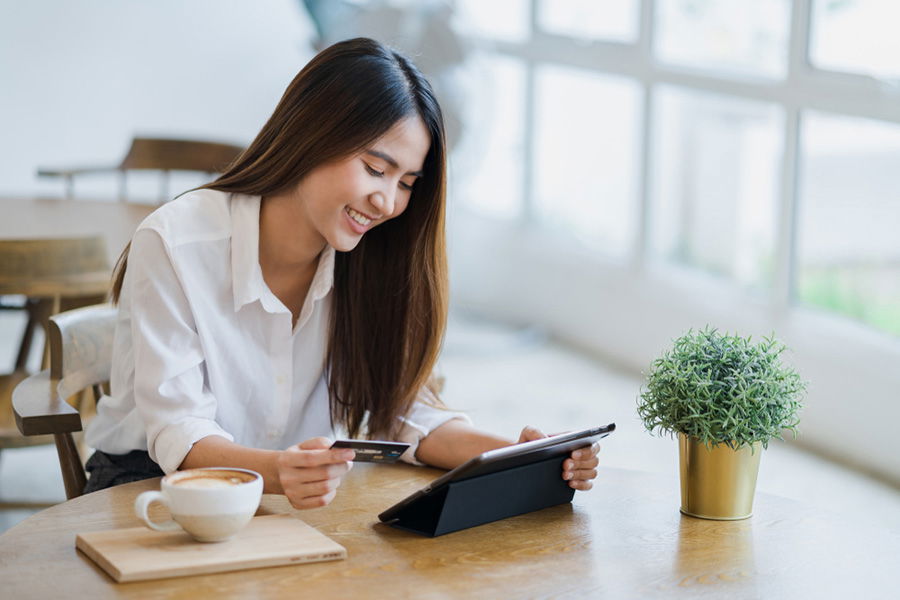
x=79, y=78
x=629, y=316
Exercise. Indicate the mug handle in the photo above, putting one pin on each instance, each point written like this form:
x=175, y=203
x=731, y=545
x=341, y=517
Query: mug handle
x=143, y=502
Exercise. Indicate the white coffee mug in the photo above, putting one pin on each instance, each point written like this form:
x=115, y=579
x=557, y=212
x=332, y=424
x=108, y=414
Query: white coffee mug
x=210, y=504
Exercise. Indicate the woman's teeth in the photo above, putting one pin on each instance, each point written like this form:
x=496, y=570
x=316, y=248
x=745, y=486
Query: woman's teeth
x=358, y=217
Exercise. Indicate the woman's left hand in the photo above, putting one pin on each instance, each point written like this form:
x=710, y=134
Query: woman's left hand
x=581, y=466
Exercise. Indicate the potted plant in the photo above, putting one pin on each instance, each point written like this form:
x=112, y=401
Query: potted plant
x=725, y=397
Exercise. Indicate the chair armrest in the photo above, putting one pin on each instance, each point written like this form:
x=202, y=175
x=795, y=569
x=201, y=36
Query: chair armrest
x=39, y=410
x=70, y=171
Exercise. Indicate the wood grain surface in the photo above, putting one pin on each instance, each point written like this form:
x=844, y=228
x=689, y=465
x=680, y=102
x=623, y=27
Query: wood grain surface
x=139, y=553
x=624, y=539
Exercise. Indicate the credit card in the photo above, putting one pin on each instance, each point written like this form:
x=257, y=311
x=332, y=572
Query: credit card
x=373, y=450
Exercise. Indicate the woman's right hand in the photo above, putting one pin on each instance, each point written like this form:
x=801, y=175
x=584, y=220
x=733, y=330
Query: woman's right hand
x=310, y=473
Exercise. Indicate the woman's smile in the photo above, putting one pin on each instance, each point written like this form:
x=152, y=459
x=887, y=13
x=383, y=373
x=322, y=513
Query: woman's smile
x=359, y=222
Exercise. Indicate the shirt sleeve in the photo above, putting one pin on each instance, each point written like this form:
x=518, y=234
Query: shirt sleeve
x=422, y=419
x=170, y=393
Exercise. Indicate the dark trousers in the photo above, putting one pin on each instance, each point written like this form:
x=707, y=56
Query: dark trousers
x=107, y=470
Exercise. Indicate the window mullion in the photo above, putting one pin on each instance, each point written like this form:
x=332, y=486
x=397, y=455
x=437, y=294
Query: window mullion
x=798, y=46
x=528, y=214
x=645, y=174
x=786, y=234
x=528, y=184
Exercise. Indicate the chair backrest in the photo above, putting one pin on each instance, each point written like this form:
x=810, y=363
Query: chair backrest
x=81, y=343
x=158, y=154
x=179, y=155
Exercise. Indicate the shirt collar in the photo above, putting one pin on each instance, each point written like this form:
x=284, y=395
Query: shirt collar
x=323, y=280
x=248, y=284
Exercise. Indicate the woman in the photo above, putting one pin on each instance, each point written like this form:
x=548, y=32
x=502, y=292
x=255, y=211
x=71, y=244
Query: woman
x=303, y=291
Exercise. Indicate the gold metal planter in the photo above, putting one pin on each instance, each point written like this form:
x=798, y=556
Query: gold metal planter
x=718, y=482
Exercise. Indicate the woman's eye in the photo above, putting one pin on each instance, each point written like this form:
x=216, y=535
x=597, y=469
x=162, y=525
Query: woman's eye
x=374, y=172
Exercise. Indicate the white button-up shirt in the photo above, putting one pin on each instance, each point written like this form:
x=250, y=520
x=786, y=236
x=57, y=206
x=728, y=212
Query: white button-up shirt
x=203, y=347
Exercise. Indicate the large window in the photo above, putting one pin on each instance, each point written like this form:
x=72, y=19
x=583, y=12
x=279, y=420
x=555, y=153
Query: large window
x=715, y=184
x=584, y=160
x=488, y=170
x=849, y=225
x=752, y=143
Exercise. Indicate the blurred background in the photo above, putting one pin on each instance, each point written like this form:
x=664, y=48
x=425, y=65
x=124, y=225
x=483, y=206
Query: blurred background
x=621, y=171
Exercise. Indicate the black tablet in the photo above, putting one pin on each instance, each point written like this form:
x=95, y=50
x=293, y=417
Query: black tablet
x=507, y=458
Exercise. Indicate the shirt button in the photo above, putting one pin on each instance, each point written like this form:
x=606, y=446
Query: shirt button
x=280, y=380
x=273, y=434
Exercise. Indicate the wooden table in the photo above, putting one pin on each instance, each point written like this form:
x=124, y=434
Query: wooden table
x=38, y=218
x=624, y=539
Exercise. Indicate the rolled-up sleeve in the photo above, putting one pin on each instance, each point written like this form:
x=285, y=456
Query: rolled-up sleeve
x=422, y=419
x=170, y=393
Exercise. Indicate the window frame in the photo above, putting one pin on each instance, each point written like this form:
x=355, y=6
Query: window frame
x=804, y=87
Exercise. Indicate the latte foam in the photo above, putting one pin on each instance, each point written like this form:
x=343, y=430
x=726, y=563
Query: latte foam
x=208, y=482
x=210, y=479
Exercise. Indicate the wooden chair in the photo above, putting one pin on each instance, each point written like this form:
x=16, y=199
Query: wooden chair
x=157, y=154
x=53, y=275
x=80, y=358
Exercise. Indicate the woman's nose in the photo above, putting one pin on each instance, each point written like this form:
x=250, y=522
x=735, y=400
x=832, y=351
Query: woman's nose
x=383, y=201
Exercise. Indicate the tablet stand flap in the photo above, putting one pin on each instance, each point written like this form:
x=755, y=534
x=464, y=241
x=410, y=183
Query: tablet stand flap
x=486, y=498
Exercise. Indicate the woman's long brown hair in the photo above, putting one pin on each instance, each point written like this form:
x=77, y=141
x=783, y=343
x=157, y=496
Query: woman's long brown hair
x=390, y=293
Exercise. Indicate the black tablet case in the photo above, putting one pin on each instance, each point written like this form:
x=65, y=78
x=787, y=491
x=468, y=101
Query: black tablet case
x=485, y=498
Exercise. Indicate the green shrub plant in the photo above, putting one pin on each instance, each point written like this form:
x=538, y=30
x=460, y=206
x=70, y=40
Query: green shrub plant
x=722, y=389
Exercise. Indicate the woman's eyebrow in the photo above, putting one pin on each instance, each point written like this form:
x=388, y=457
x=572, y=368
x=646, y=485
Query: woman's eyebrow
x=390, y=160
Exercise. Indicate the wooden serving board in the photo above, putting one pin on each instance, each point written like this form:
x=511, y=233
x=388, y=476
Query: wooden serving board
x=140, y=553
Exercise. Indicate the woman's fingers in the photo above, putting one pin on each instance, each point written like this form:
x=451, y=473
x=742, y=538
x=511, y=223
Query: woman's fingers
x=584, y=453
x=580, y=474
x=571, y=465
x=530, y=433
x=581, y=485
x=304, y=493
x=317, y=488
x=323, y=473
x=301, y=503
x=315, y=452
x=580, y=469
x=311, y=472
x=316, y=443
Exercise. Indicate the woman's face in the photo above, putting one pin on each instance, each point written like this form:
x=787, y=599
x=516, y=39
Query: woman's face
x=346, y=198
